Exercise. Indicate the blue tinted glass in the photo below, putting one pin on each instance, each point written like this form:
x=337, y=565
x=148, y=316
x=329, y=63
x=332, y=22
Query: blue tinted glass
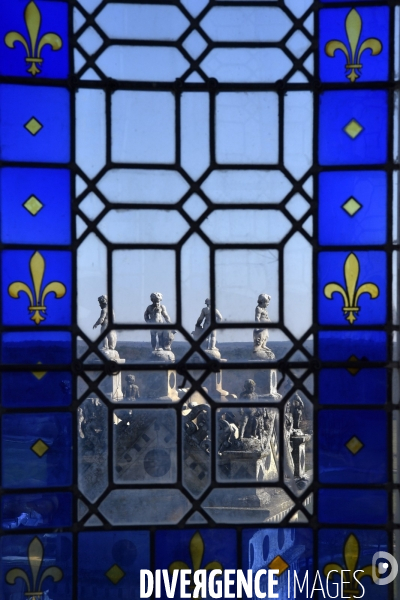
x=27, y=511
x=36, y=450
x=54, y=20
x=334, y=546
x=174, y=545
x=118, y=554
x=56, y=549
x=369, y=267
x=355, y=201
x=36, y=387
x=34, y=123
x=352, y=385
x=361, y=507
x=353, y=127
x=26, y=267
x=295, y=546
x=35, y=206
x=352, y=446
x=373, y=23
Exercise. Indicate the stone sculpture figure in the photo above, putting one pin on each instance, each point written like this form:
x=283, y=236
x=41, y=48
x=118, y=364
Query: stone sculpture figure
x=131, y=390
x=288, y=431
x=260, y=335
x=228, y=433
x=249, y=390
x=296, y=408
x=157, y=313
x=196, y=426
x=247, y=437
x=204, y=322
x=110, y=341
x=295, y=444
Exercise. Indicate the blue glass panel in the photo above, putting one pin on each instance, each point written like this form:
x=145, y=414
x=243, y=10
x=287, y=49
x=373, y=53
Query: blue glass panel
x=36, y=450
x=295, y=546
x=374, y=24
x=35, y=206
x=358, y=507
x=355, y=202
x=371, y=269
x=104, y=554
x=364, y=114
x=34, y=123
x=174, y=545
x=352, y=386
x=352, y=446
x=17, y=266
x=54, y=19
x=27, y=511
x=37, y=388
x=333, y=548
x=56, y=549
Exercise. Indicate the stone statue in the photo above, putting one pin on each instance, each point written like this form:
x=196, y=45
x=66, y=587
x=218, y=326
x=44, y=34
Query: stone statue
x=295, y=444
x=252, y=428
x=131, y=390
x=228, y=433
x=196, y=422
x=110, y=341
x=260, y=336
x=161, y=340
x=288, y=431
x=296, y=409
x=204, y=322
x=249, y=390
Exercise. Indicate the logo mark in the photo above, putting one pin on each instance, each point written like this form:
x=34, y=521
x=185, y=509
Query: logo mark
x=383, y=567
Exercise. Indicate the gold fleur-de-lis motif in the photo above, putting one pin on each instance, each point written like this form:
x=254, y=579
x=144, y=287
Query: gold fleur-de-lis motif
x=32, y=19
x=35, y=558
x=352, y=293
x=354, y=51
x=37, y=267
x=351, y=554
x=196, y=550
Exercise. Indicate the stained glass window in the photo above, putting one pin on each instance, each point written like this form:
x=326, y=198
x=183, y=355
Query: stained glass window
x=199, y=316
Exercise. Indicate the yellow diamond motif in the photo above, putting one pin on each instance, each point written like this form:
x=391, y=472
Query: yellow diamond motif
x=352, y=206
x=115, y=574
x=39, y=448
x=33, y=126
x=33, y=205
x=353, y=129
x=353, y=370
x=39, y=374
x=279, y=564
x=354, y=445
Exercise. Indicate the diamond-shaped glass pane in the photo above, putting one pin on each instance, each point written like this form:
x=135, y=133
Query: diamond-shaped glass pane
x=194, y=206
x=278, y=563
x=351, y=206
x=354, y=445
x=33, y=205
x=297, y=206
x=353, y=129
x=91, y=206
x=194, y=44
x=90, y=40
x=40, y=448
x=298, y=44
x=33, y=126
